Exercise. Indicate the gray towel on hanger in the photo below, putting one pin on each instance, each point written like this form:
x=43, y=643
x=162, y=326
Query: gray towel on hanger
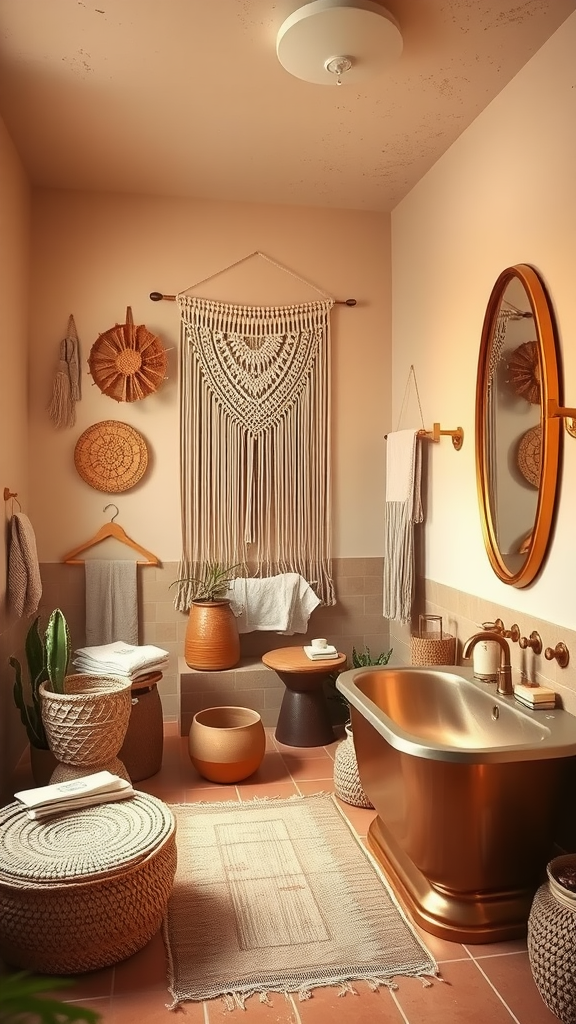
x=111, y=601
x=24, y=582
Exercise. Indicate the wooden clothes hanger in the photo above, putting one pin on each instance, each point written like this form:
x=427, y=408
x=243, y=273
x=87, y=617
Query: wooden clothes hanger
x=116, y=531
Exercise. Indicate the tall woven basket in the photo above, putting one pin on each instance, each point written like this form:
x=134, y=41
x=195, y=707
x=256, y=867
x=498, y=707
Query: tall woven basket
x=85, y=725
x=552, y=942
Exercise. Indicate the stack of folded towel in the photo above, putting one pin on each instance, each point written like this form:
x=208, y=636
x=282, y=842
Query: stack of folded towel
x=320, y=653
x=120, y=659
x=99, y=788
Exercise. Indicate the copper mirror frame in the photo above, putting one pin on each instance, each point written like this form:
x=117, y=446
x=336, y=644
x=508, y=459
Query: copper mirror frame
x=506, y=395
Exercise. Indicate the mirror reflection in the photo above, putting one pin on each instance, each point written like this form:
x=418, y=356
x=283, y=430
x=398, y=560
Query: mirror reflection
x=517, y=445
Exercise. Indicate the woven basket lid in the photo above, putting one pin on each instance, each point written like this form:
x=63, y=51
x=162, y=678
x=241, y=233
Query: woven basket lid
x=111, y=456
x=529, y=456
x=128, y=362
x=102, y=840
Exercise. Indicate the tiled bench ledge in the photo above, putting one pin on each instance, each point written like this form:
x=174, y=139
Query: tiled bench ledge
x=251, y=685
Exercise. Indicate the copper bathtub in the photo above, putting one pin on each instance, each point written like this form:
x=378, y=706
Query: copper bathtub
x=467, y=786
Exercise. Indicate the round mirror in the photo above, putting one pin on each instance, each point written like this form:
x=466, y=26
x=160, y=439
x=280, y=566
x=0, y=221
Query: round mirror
x=517, y=444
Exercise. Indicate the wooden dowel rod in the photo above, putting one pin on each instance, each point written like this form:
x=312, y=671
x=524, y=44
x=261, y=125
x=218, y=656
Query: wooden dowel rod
x=158, y=296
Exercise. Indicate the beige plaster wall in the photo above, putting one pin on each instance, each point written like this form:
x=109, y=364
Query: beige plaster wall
x=93, y=255
x=14, y=474
x=503, y=194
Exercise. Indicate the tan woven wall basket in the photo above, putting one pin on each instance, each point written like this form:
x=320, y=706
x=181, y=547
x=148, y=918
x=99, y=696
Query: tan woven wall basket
x=86, y=889
x=426, y=651
x=128, y=362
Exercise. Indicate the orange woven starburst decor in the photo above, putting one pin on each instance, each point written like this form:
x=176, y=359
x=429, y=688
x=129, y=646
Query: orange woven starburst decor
x=128, y=362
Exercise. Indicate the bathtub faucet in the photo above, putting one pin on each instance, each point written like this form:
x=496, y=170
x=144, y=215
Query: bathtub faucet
x=504, y=684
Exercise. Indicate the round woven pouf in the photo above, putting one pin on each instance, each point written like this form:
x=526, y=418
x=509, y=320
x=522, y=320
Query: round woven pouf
x=347, y=783
x=84, y=889
x=552, y=945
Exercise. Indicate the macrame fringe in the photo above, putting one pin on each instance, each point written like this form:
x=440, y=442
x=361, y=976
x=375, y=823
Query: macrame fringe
x=255, y=441
x=61, y=409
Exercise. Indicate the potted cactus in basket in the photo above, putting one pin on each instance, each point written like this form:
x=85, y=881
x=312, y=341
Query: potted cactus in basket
x=212, y=642
x=85, y=717
x=27, y=700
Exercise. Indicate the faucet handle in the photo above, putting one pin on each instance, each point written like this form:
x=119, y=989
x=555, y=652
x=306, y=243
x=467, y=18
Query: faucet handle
x=534, y=641
x=495, y=627
x=560, y=652
x=513, y=633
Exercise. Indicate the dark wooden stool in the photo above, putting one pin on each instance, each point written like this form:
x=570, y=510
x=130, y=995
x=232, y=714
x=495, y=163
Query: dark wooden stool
x=304, y=720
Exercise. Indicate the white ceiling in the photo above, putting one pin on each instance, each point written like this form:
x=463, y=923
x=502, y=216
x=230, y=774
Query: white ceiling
x=187, y=97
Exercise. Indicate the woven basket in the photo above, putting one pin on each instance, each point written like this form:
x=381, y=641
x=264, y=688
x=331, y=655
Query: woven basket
x=111, y=456
x=347, y=783
x=552, y=952
x=87, y=724
x=86, y=889
x=426, y=651
x=128, y=363
x=143, y=744
x=529, y=457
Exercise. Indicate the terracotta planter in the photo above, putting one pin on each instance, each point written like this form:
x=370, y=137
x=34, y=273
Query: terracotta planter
x=212, y=643
x=85, y=726
x=226, y=744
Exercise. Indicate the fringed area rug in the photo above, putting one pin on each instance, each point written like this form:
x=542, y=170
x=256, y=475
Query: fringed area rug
x=280, y=896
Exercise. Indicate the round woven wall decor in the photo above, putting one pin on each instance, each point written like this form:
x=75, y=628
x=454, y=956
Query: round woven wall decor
x=529, y=456
x=111, y=456
x=524, y=372
x=127, y=362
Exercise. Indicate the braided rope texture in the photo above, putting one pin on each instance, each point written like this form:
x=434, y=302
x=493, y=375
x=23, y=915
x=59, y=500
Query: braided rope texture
x=552, y=953
x=347, y=783
x=86, y=889
x=87, y=724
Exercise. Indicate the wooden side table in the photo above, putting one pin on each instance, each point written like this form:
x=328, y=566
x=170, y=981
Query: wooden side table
x=304, y=720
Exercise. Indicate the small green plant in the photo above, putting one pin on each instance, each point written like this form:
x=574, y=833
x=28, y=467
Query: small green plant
x=212, y=584
x=47, y=660
x=30, y=712
x=22, y=999
x=361, y=659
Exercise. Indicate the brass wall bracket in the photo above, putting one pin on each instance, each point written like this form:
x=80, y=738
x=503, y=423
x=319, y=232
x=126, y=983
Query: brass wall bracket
x=534, y=642
x=568, y=415
x=560, y=653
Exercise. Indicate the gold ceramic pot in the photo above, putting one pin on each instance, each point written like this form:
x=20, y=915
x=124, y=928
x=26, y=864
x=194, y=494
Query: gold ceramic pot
x=226, y=744
x=212, y=643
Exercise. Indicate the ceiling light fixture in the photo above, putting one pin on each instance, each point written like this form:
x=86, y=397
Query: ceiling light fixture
x=329, y=42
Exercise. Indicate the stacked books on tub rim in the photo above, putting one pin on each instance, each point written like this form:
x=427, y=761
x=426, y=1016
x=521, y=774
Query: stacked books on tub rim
x=138, y=664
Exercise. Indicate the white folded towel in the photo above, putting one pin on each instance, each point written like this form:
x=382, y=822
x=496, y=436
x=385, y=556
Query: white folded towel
x=321, y=653
x=281, y=604
x=111, y=601
x=121, y=659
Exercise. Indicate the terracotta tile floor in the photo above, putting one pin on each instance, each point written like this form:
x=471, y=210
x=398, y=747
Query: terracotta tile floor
x=480, y=983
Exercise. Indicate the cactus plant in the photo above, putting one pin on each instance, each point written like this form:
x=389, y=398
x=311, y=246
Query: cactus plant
x=30, y=712
x=57, y=650
x=47, y=659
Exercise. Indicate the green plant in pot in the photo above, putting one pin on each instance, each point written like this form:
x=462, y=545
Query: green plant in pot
x=47, y=659
x=360, y=659
x=212, y=642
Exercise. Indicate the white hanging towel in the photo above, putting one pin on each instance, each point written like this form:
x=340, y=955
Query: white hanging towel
x=403, y=508
x=111, y=601
x=281, y=604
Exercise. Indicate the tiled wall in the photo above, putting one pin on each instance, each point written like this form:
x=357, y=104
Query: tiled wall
x=463, y=613
x=356, y=620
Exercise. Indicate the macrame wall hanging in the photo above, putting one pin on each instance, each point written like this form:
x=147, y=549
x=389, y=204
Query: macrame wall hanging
x=255, y=440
